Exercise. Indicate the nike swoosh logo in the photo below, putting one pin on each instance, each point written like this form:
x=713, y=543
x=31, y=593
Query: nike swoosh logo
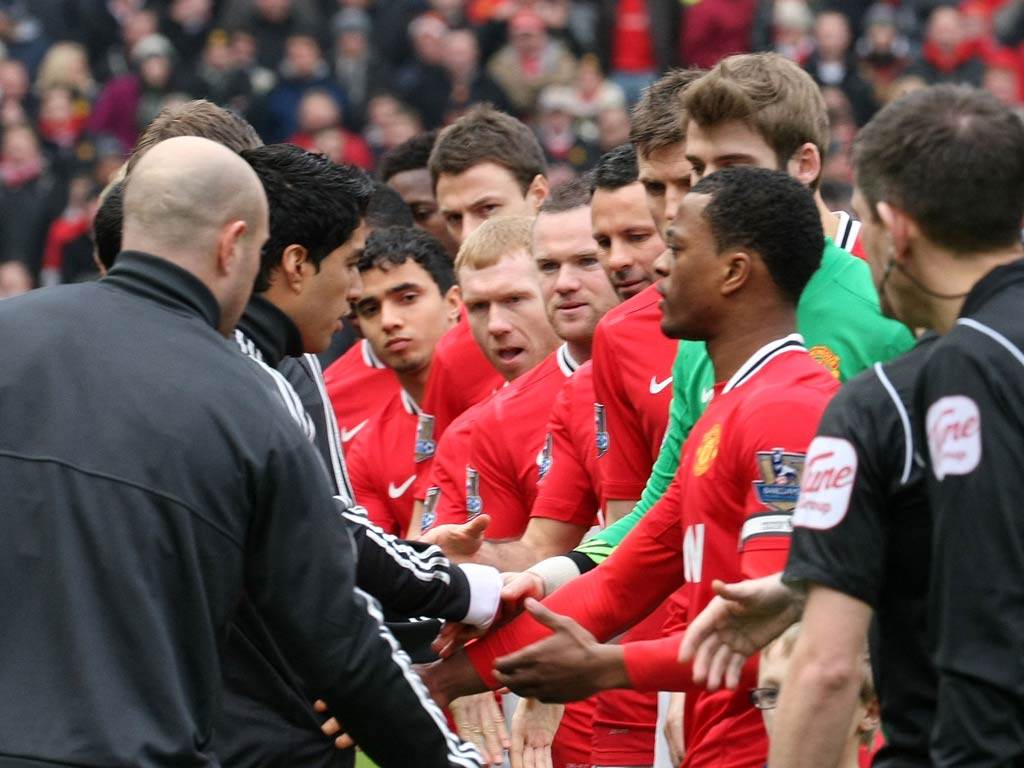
x=348, y=434
x=657, y=386
x=397, y=491
x=708, y=394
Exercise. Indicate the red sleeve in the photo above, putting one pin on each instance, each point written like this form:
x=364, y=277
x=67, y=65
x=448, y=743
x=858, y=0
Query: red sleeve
x=366, y=481
x=501, y=490
x=772, y=455
x=626, y=463
x=564, y=492
x=643, y=570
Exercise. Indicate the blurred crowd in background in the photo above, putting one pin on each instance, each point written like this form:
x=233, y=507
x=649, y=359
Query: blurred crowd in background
x=79, y=79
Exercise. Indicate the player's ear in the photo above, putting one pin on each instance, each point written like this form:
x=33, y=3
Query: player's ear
x=736, y=270
x=902, y=229
x=805, y=164
x=293, y=260
x=452, y=304
x=537, y=192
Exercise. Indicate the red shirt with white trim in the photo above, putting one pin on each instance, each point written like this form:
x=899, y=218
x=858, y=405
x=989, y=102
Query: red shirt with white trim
x=729, y=513
x=460, y=377
x=382, y=466
x=632, y=361
x=509, y=450
x=569, y=490
x=359, y=385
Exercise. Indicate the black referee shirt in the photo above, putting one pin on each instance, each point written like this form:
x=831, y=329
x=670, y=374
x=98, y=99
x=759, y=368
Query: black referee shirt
x=970, y=408
x=867, y=535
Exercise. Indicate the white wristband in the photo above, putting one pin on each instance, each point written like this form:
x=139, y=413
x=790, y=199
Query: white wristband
x=485, y=585
x=555, y=571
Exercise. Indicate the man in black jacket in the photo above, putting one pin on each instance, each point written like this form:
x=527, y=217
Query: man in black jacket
x=128, y=533
x=306, y=279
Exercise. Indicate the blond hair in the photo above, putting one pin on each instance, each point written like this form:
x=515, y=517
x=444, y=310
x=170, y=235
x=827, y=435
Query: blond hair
x=57, y=68
x=493, y=240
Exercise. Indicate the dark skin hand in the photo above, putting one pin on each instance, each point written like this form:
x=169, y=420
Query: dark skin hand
x=568, y=666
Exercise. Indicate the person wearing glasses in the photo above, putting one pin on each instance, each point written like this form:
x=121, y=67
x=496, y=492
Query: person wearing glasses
x=772, y=671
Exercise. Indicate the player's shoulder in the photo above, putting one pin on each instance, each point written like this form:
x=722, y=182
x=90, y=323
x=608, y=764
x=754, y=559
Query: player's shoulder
x=636, y=309
x=790, y=378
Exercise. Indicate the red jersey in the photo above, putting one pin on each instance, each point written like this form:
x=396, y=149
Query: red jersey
x=633, y=384
x=359, y=385
x=460, y=377
x=382, y=467
x=569, y=488
x=729, y=512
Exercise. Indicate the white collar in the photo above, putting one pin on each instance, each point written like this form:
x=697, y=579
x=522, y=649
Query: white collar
x=794, y=342
x=565, y=360
x=410, y=405
x=371, y=359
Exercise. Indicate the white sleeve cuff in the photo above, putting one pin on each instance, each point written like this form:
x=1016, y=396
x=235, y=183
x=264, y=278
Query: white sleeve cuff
x=555, y=571
x=485, y=585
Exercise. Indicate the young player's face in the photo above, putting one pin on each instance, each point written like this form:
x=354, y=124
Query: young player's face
x=403, y=315
x=690, y=288
x=486, y=190
x=730, y=144
x=327, y=294
x=666, y=176
x=576, y=289
x=628, y=243
x=415, y=189
x=506, y=314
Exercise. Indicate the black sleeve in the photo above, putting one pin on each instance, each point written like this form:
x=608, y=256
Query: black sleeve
x=838, y=532
x=410, y=578
x=300, y=571
x=970, y=401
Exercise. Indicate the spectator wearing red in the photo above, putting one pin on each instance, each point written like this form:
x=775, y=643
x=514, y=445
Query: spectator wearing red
x=947, y=55
x=319, y=130
x=530, y=61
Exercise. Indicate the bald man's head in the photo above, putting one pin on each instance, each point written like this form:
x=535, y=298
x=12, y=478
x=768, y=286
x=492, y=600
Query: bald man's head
x=198, y=204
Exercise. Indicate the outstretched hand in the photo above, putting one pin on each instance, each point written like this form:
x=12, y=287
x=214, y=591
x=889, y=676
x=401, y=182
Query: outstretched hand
x=479, y=719
x=460, y=543
x=533, y=732
x=568, y=666
x=741, y=620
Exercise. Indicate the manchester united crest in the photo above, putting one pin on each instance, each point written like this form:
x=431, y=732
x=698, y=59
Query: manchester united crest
x=707, y=451
x=781, y=472
x=826, y=357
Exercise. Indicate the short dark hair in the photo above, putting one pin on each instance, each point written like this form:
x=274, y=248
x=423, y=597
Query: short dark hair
x=107, y=225
x=770, y=213
x=657, y=120
x=616, y=169
x=313, y=203
x=573, y=194
x=485, y=135
x=386, y=208
x=952, y=157
x=411, y=155
x=200, y=118
x=393, y=246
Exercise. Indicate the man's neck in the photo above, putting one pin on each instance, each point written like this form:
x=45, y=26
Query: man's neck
x=955, y=277
x=414, y=382
x=580, y=351
x=829, y=221
x=734, y=346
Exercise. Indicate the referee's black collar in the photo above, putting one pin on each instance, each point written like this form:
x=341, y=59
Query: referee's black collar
x=999, y=279
x=271, y=330
x=164, y=282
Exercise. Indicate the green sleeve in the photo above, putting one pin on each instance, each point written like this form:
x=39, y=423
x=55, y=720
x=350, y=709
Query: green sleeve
x=692, y=379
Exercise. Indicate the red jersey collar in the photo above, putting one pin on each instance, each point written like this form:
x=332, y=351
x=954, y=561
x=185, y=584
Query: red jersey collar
x=794, y=342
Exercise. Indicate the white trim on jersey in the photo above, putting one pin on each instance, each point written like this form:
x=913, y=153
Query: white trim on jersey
x=565, y=360
x=847, y=232
x=370, y=358
x=411, y=406
x=428, y=564
x=995, y=335
x=904, y=419
x=461, y=754
x=287, y=393
x=338, y=466
x=794, y=342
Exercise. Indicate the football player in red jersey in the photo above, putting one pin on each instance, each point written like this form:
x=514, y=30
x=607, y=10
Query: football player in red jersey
x=409, y=299
x=744, y=245
x=485, y=164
